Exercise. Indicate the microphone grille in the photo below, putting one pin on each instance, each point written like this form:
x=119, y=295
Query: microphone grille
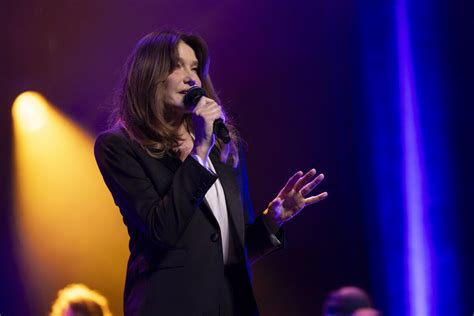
x=193, y=95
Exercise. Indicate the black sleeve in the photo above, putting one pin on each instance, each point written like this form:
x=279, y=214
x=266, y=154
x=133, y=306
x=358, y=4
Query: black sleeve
x=259, y=240
x=161, y=218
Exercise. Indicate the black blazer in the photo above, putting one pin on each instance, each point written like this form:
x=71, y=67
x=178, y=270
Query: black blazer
x=176, y=265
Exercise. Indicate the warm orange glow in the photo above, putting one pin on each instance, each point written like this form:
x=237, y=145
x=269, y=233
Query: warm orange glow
x=30, y=111
x=68, y=227
x=80, y=294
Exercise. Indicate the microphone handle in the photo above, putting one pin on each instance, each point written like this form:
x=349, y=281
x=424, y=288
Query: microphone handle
x=221, y=131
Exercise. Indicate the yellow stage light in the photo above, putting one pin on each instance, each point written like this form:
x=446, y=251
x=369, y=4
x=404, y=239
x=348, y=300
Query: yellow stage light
x=68, y=228
x=30, y=111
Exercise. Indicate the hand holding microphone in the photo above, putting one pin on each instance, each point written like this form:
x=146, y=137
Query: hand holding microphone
x=193, y=97
x=208, y=113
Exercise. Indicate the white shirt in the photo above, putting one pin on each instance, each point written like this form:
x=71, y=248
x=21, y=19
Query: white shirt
x=215, y=200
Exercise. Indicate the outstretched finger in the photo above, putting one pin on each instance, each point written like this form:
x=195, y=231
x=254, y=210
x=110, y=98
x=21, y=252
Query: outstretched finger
x=310, y=186
x=304, y=179
x=315, y=199
x=291, y=182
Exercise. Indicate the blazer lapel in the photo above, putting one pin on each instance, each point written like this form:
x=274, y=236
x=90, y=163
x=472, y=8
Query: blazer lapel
x=173, y=163
x=226, y=174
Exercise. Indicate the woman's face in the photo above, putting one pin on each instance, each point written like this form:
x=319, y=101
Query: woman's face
x=182, y=77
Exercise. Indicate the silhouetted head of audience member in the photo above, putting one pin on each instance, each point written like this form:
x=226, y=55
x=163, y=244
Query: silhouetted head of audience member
x=366, y=311
x=349, y=301
x=79, y=300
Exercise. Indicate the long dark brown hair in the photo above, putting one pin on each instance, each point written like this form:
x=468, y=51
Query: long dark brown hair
x=140, y=108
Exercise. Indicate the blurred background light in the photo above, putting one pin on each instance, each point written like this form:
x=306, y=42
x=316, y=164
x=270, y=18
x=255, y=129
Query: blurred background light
x=30, y=111
x=67, y=228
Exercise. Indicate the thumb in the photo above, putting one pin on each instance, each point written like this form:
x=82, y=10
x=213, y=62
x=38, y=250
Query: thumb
x=276, y=203
x=273, y=206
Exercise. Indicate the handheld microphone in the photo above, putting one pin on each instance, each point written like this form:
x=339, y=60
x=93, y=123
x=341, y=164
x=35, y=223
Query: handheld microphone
x=192, y=97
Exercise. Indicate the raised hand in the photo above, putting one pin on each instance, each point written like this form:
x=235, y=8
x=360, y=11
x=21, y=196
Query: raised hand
x=292, y=198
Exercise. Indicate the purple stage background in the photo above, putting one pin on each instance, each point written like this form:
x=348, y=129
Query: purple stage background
x=293, y=75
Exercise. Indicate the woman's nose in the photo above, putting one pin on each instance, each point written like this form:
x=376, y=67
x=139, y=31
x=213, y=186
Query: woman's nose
x=190, y=78
x=190, y=81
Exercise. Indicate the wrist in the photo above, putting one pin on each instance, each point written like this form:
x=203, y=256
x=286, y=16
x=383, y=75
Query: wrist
x=202, y=151
x=273, y=223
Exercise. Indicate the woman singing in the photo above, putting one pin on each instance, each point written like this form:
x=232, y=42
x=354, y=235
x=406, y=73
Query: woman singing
x=183, y=192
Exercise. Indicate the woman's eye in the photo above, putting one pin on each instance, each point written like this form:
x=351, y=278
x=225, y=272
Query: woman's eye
x=195, y=69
